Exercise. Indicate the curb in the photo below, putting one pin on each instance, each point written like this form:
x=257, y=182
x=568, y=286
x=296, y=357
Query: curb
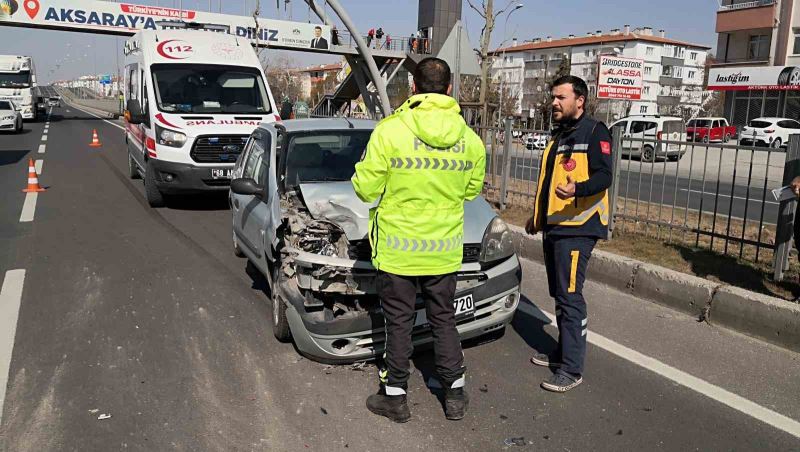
x=757, y=315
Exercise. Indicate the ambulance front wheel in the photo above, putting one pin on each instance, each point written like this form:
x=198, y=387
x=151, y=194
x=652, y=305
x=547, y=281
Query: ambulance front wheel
x=154, y=196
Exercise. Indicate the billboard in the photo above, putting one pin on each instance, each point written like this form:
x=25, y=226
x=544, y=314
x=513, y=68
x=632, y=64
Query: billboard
x=776, y=78
x=127, y=19
x=619, y=78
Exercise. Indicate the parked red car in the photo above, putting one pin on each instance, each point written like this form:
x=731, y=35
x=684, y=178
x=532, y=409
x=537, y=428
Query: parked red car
x=710, y=129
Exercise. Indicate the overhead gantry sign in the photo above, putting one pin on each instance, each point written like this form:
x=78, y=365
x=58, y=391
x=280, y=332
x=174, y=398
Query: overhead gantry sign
x=125, y=19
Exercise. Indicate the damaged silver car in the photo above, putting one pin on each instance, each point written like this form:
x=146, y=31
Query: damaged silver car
x=297, y=218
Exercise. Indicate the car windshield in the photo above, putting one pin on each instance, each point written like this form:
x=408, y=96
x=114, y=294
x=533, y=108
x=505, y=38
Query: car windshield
x=5, y=105
x=15, y=80
x=759, y=124
x=699, y=123
x=325, y=156
x=183, y=88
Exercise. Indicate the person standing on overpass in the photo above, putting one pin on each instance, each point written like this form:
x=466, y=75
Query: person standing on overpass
x=417, y=230
x=571, y=210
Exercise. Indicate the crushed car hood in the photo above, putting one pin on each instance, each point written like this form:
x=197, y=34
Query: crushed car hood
x=337, y=202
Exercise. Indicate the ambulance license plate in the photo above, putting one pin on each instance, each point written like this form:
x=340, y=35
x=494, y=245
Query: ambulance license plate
x=221, y=173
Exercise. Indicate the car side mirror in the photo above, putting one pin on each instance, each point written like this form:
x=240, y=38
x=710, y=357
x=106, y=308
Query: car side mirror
x=246, y=186
x=133, y=112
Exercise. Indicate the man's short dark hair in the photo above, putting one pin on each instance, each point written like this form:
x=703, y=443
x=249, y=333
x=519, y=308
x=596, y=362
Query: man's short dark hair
x=318, y=28
x=432, y=75
x=578, y=85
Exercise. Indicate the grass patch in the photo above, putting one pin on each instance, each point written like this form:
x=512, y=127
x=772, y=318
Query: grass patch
x=641, y=244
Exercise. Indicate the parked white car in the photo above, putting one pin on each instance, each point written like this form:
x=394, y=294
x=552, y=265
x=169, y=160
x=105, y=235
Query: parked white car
x=536, y=141
x=645, y=135
x=10, y=116
x=772, y=132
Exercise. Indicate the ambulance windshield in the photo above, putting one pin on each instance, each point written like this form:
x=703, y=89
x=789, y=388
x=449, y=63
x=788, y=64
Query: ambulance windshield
x=184, y=88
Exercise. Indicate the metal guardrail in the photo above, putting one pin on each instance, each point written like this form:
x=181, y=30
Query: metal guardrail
x=711, y=196
x=389, y=42
x=745, y=5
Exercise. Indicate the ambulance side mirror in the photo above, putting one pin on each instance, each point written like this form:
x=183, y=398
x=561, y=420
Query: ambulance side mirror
x=133, y=112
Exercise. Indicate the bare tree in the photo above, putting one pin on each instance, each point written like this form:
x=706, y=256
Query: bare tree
x=486, y=11
x=283, y=79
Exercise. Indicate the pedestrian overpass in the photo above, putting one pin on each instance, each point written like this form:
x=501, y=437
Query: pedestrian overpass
x=371, y=69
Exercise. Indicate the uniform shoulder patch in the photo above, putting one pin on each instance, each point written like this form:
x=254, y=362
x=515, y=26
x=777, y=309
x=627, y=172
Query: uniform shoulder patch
x=605, y=147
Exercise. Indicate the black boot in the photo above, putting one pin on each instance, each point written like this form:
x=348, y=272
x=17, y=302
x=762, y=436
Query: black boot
x=456, y=402
x=393, y=407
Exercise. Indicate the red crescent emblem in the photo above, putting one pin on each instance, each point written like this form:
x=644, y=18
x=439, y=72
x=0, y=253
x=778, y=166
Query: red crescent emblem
x=570, y=165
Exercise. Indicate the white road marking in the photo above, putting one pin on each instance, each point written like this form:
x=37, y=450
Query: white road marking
x=10, y=300
x=728, y=196
x=28, y=207
x=38, y=165
x=703, y=387
x=44, y=137
x=42, y=148
x=98, y=117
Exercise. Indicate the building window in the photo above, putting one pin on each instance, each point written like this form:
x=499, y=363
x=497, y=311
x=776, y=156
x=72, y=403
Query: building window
x=648, y=70
x=646, y=90
x=585, y=71
x=758, y=47
x=796, y=48
x=693, y=56
x=691, y=74
x=587, y=53
x=643, y=109
x=649, y=51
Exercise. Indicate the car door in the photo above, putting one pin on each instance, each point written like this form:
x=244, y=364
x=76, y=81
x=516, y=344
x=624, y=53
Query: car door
x=244, y=169
x=622, y=127
x=642, y=130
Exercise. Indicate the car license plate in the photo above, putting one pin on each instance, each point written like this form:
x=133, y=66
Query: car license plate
x=464, y=307
x=223, y=173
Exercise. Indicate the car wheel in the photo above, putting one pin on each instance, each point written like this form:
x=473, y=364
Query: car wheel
x=705, y=139
x=237, y=250
x=727, y=137
x=280, y=324
x=154, y=196
x=648, y=154
x=776, y=144
x=133, y=168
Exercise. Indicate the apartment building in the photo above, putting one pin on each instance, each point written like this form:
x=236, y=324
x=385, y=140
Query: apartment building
x=758, y=54
x=673, y=70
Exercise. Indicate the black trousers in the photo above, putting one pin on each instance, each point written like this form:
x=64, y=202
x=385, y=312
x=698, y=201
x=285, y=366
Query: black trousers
x=566, y=259
x=398, y=296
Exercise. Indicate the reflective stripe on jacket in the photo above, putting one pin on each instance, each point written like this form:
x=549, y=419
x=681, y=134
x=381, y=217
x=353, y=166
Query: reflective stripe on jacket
x=423, y=162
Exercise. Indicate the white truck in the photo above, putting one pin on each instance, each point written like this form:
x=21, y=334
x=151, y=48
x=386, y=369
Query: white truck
x=192, y=99
x=18, y=84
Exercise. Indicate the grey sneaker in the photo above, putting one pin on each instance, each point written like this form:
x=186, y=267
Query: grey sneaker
x=541, y=359
x=561, y=382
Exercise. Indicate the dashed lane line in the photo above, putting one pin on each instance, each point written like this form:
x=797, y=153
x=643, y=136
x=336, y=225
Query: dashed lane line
x=10, y=300
x=684, y=379
x=44, y=137
x=29, y=207
x=38, y=165
x=42, y=148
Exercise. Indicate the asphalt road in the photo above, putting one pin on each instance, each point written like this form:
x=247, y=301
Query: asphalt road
x=146, y=315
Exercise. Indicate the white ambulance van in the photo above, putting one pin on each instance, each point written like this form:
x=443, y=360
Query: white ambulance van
x=192, y=98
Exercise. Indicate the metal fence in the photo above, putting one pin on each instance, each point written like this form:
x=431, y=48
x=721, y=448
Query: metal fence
x=711, y=196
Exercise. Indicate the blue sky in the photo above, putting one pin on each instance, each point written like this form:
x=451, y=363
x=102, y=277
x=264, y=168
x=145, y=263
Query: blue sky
x=688, y=20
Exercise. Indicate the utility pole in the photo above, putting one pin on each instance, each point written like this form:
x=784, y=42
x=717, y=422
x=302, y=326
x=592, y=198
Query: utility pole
x=485, y=41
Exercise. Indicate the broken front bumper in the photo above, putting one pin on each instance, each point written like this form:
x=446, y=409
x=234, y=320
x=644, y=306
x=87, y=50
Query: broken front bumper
x=361, y=336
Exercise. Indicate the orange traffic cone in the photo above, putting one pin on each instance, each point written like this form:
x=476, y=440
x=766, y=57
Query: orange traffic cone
x=95, y=141
x=33, y=179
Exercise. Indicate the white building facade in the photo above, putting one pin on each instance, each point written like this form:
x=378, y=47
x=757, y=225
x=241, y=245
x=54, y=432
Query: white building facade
x=673, y=75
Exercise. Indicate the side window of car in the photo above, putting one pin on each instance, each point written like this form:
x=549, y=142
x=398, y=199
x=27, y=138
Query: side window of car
x=238, y=168
x=253, y=162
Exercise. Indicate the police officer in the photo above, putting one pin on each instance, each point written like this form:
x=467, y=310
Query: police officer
x=571, y=210
x=422, y=163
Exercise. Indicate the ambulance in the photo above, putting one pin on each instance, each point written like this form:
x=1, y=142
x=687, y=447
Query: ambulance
x=192, y=95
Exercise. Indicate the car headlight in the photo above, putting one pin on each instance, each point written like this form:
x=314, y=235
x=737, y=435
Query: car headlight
x=497, y=242
x=170, y=138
